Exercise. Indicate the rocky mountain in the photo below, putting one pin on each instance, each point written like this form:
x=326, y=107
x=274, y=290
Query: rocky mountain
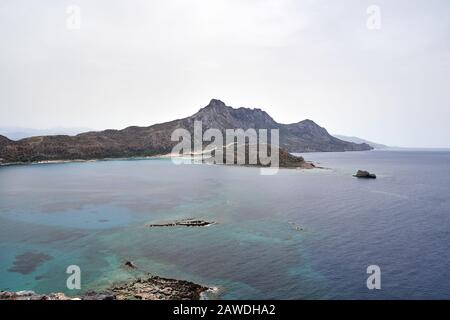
x=4, y=141
x=304, y=136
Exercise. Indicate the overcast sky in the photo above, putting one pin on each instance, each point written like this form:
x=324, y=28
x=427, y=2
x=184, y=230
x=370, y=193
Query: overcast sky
x=140, y=62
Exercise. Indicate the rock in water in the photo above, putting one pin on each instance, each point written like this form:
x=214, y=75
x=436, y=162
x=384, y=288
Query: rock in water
x=130, y=264
x=157, y=288
x=184, y=223
x=365, y=174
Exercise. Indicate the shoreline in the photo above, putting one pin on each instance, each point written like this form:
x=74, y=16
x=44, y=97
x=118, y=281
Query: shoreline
x=6, y=164
x=151, y=288
x=309, y=164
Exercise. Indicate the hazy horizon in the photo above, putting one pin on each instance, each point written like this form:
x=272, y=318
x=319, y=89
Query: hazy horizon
x=17, y=133
x=156, y=61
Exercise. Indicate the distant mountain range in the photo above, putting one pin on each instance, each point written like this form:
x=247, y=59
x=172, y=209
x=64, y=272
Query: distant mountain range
x=303, y=136
x=16, y=133
x=359, y=140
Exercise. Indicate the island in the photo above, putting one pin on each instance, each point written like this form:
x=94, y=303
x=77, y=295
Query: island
x=365, y=175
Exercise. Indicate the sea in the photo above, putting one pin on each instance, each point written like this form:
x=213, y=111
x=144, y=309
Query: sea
x=298, y=234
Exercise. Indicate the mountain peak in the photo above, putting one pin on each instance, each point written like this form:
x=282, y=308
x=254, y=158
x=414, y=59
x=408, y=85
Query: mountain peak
x=305, y=122
x=4, y=143
x=4, y=140
x=216, y=103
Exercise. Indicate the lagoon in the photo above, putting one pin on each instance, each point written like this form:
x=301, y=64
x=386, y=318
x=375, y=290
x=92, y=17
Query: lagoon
x=298, y=234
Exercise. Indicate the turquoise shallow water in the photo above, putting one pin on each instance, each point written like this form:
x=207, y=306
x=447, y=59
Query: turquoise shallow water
x=93, y=215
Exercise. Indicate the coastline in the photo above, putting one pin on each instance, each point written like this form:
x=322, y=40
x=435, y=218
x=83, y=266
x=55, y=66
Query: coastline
x=306, y=165
x=151, y=288
x=5, y=164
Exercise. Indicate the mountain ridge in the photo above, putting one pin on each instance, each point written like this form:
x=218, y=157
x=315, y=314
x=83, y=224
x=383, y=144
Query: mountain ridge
x=353, y=139
x=133, y=141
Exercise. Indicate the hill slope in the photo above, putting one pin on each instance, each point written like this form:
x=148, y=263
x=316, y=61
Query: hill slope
x=359, y=140
x=304, y=136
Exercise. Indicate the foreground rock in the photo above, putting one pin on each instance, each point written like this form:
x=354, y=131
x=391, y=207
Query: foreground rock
x=153, y=288
x=157, y=288
x=183, y=223
x=31, y=295
x=365, y=174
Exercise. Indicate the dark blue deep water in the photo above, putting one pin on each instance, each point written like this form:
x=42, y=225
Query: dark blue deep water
x=297, y=234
